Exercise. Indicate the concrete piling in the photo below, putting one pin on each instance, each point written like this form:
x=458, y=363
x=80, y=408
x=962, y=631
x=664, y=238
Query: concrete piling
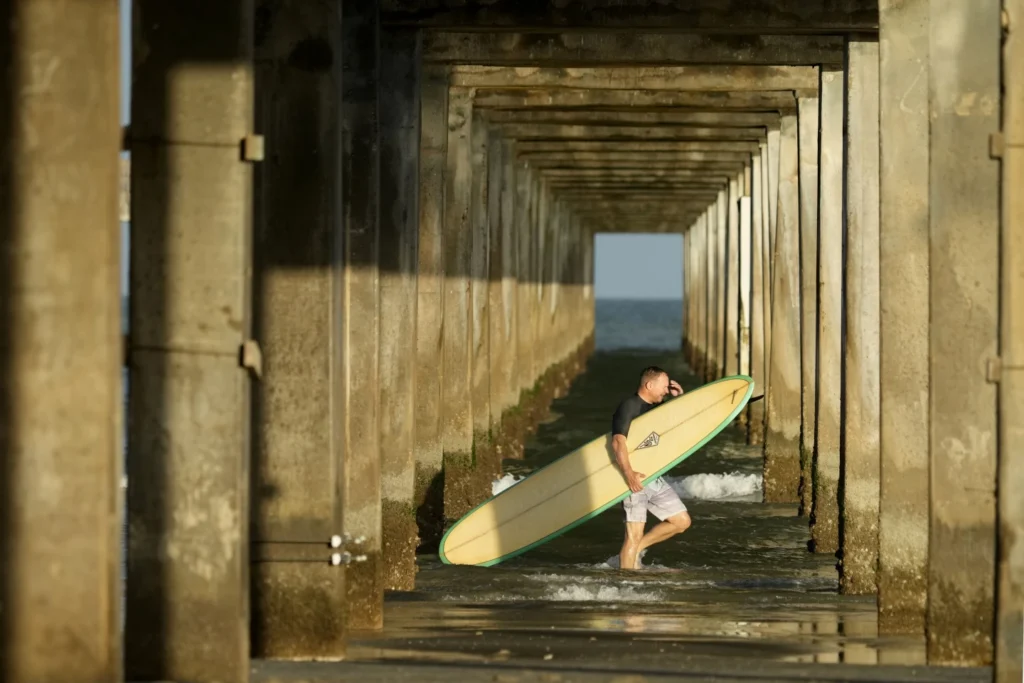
x=60, y=344
x=904, y=276
x=297, y=447
x=759, y=314
x=860, y=401
x=825, y=522
x=732, y=284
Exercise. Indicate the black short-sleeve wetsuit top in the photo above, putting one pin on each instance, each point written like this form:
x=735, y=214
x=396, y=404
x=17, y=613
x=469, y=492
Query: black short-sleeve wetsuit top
x=630, y=409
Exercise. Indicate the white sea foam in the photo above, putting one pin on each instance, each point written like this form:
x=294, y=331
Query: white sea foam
x=580, y=593
x=502, y=483
x=717, y=486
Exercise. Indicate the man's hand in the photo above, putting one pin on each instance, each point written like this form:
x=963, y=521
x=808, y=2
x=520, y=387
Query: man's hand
x=674, y=388
x=635, y=481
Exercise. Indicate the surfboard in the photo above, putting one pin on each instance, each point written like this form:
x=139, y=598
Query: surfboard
x=584, y=483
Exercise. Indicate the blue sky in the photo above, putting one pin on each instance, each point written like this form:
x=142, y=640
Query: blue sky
x=626, y=266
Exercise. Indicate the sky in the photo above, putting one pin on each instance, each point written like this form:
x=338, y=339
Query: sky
x=626, y=266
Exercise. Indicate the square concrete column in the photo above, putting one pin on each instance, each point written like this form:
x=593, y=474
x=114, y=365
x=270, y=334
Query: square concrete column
x=399, y=238
x=479, y=296
x=361, y=492
x=701, y=254
x=774, y=142
x=744, y=293
x=525, y=300
x=860, y=402
x=715, y=284
x=1009, y=667
x=732, y=285
x=721, y=218
x=506, y=330
x=808, y=116
x=502, y=355
x=758, y=317
x=782, y=438
x=769, y=152
x=687, y=298
x=457, y=367
x=61, y=399
x=187, y=593
x=903, y=315
x=427, y=450
x=964, y=96
x=825, y=521
x=298, y=607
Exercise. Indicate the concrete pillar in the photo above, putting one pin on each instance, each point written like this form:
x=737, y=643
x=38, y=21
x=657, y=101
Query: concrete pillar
x=399, y=239
x=456, y=389
x=60, y=343
x=687, y=297
x=825, y=521
x=715, y=281
x=860, y=402
x=745, y=275
x=500, y=282
x=721, y=218
x=525, y=196
x=702, y=298
x=509, y=248
x=755, y=430
x=808, y=116
x=361, y=470
x=479, y=288
x=774, y=142
x=427, y=450
x=297, y=445
x=187, y=592
x=782, y=438
x=903, y=315
x=768, y=255
x=1010, y=586
x=964, y=94
x=732, y=269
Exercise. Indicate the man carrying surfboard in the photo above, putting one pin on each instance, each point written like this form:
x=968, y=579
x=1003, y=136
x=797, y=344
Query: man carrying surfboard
x=657, y=497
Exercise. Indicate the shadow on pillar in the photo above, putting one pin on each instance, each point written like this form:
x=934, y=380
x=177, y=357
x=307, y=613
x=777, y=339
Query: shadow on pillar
x=7, y=199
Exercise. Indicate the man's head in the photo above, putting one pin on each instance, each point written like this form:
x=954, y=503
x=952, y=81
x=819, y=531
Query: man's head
x=653, y=384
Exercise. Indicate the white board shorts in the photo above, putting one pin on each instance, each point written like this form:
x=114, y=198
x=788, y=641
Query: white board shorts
x=658, y=498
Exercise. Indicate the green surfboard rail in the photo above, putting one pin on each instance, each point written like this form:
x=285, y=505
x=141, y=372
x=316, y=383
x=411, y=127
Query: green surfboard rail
x=572, y=525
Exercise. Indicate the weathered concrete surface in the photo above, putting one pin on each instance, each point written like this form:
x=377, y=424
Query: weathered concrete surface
x=701, y=255
x=297, y=443
x=456, y=387
x=710, y=218
x=732, y=289
x=399, y=239
x=903, y=310
x=825, y=516
x=429, y=485
x=676, y=78
x=525, y=205
x=964, y=92
x=695, y=16
x=576, y=116
x=808, y=117
x=772, y=197
x=720, y=212
x=782, y=437
x=518, y=98
x=570, y=49
x=758, y=318
x=766, y=284
x=740, y=148
x=625, y=131
x=360, y=183
x=187, y=594
x=860, y=400
x=745, y=284
x=61, y=416
x=1009, y=666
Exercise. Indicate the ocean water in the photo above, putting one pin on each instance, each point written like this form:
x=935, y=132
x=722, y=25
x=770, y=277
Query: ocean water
x=739, y=585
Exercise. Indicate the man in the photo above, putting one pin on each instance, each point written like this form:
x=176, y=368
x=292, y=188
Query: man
x=657, y=497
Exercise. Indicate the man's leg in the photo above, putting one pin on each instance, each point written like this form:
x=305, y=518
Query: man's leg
x=635, y=507
x=673, y=525
x=666, y=506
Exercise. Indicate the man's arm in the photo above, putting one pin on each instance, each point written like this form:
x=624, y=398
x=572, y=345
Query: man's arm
x=634, y=479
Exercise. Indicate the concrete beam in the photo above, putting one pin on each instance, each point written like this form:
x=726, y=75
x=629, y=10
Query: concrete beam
x=809, y=117
x=695, y=16
x=621, y=185
x=297, y=445
x=716, y=119
x=782, y=438
x=613, y=158
x=675, y=78
x=360, y=185
x=637, y=174
x=860, y=401
x=610, y=134
x=904, y=316
x=574, y=49
x=61, y=394
x=964, y=94
x=565, y=147
x=428, y=497
x=632, y=99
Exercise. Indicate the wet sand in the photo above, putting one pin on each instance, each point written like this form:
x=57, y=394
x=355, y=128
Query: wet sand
x=736, y=597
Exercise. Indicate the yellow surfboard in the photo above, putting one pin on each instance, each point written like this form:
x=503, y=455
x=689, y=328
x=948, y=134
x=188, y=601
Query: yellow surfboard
x=582, y=484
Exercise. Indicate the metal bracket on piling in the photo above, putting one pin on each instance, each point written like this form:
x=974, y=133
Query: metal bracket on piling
x=995, y=368
x=252, y=357
x=298, y=552
x=252, y=148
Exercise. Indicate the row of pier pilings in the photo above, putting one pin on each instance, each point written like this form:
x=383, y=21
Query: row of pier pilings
x=361, y=265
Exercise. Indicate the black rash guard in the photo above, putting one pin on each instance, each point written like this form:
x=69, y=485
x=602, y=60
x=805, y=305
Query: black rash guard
x=630, y=409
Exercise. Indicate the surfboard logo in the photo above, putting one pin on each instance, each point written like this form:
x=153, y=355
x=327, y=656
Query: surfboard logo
x=650, y=441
